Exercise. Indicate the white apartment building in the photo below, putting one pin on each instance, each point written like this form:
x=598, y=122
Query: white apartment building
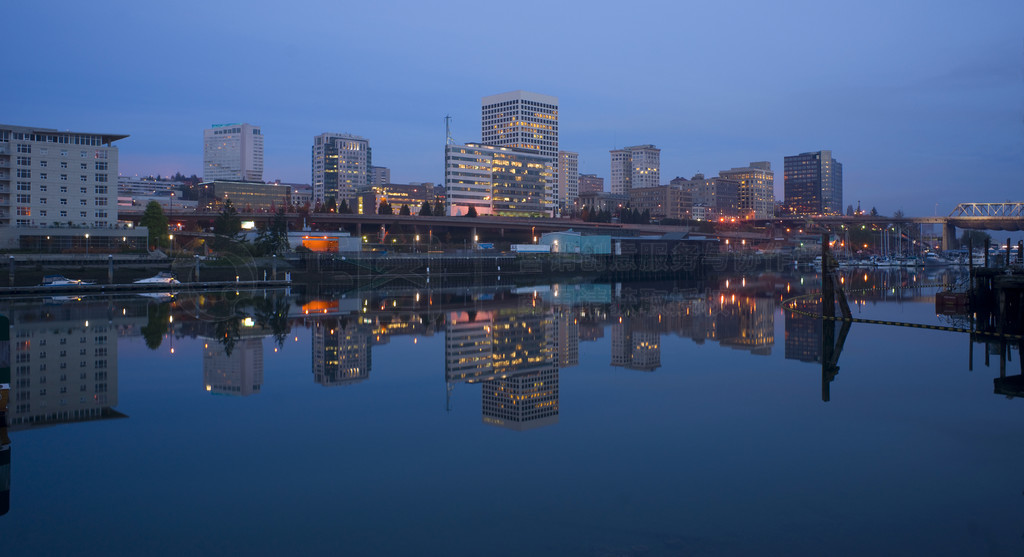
x=50, y=177
x=341, y=167
x=233, y=152
x=568, y=179
x=638, y=166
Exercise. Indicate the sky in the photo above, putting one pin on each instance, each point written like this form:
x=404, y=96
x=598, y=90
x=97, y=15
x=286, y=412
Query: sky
x=922, y=101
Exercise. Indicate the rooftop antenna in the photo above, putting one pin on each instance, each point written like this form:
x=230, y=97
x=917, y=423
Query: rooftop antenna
x=448, y=130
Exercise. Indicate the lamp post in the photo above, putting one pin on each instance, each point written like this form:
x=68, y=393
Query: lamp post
x=87, y=244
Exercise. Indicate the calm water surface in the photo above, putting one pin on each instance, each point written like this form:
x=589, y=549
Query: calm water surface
x=633, y=419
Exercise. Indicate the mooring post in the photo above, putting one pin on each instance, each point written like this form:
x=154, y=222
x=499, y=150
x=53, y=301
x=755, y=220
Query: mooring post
x=828, y=296
x=110, y=268
x=274, y=256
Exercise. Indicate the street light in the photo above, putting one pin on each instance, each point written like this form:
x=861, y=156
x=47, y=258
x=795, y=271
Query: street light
x=87, y=244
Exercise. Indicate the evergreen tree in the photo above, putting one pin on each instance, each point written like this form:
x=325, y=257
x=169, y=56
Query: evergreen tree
x=385, y=208
x=425, y=209
x=227, y=222
x=404, y=210
x=343, y=207
x=471, y=212
x=155, y=221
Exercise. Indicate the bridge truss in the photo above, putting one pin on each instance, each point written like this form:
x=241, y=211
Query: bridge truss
x=1005, y=210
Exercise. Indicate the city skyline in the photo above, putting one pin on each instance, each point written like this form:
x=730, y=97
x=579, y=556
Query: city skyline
x=909, y=107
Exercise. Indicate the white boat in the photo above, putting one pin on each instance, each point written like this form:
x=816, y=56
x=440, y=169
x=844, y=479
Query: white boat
x=932, y=259
x=160, y=278
x=59, y=280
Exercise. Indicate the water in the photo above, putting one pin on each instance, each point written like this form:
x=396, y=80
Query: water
x=657, y=419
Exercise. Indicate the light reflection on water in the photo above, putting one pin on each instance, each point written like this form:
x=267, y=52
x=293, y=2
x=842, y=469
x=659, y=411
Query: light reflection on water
x=592, y=419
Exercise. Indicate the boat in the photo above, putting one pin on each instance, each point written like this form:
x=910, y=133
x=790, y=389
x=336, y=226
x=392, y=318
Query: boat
x=59, y=280
x=932, y=259
x=162, y=277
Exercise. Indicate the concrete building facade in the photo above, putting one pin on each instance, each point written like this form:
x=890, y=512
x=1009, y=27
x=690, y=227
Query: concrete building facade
x=590, y=183
x=568, y=179
x=233, y=152
x=638, y=166
x=57, y=178
x=341, y=167
x=497, y=180
x=756, y=189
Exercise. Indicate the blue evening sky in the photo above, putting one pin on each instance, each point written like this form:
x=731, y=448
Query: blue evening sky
x=922, y=101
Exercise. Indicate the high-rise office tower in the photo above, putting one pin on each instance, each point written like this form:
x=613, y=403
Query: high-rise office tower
x=341, y=167
x=756, y=189
x=568, y=179
x=233, y=152
x=522, y=120
x=635, y=167
x=814, y=184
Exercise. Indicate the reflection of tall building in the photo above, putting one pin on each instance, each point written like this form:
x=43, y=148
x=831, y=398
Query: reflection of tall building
x=62, y=373
x=341, y=352
x=468, y=350
x=525, y=394
x=239, y=373
x=633, y=348
x=747, y=323
x=523, y=401
x=803, y=333
x=568, y=337
x=513, y=356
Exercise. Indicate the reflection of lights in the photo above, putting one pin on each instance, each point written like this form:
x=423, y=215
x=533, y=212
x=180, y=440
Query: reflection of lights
x=209, y=387
x=248, y=322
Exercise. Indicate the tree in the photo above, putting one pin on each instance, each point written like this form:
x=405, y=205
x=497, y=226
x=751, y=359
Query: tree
x=155, y=221
x=157, y=322
x=849, y=210
x=343, y=208
x=975, y=238
x=471, y=212
x=227, y=222
x=425, y=210
x=898, y=214
x=273, y=239
x=874, y=212
x=404, y=210
x=385, y=208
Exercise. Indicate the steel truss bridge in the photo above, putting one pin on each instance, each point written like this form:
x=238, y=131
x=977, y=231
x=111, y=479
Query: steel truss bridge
x=1008, y=216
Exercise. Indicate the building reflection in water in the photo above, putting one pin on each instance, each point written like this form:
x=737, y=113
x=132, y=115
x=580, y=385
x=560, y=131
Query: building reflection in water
x=64, y=364
x=342, y=352
x=238, y=373
x=635, y=345
x=514, y=354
